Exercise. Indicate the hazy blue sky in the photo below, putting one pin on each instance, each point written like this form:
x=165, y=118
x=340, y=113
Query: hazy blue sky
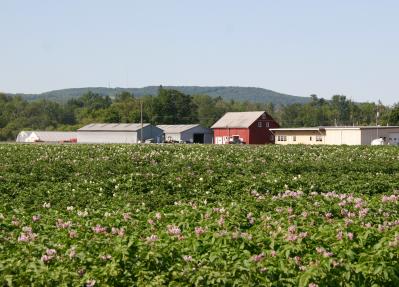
x=297, y=47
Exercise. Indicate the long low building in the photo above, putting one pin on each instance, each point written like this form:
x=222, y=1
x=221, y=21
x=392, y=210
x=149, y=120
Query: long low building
x=119, y=133
x=46, y=137
x=356, y=135
x=187, y=133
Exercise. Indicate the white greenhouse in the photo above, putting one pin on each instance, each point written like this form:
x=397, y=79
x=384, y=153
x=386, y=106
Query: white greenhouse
x=46, y=137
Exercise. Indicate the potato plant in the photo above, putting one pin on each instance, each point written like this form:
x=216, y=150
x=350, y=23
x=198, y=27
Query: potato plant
x=182, y=215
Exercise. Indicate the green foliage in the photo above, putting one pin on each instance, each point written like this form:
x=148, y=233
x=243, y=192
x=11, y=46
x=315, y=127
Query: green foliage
x=256, y=95
x=170, y=106
x=151, y=215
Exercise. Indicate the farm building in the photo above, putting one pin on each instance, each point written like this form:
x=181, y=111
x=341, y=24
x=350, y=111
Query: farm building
x=356, y=135
x=186, y=133
x=46, y=136
x=244, y=127
x=118, y=133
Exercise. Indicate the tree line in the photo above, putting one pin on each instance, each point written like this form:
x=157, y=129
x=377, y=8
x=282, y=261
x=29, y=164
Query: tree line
x=173, y=107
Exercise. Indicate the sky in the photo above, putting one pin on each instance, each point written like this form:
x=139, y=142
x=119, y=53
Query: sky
x=346, y=47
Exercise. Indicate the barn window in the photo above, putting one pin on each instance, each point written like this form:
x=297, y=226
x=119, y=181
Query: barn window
x=267, y=124
x=310, y=138
x=259, y=124
x=282, y=138
x=319, y=138
x=294, y=138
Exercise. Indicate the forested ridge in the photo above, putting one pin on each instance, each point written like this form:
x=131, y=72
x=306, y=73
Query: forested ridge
x=251, y=94
x=170, y=106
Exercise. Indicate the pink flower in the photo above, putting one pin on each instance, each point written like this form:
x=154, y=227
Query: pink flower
x=340, y=235
x=126, y=216
x=221, y=221
x=63, y=225
x=27, y=235
x=199, y=230
x=152, y=238
x=150, y=221
x=292, y=229
x=258, y=258
x=291, y=237
x=297, y=260
x=328, y=215
x=158, y=216
x=51, y=252
x=174, y=230
x=46, y=258
x=118, y=231
x=72, y=234
x=303, y=234
x=35, y=218
x=313, y=285
x=350, y=235
x=99, y=229
x=23, y=238
x=273, y=253
x=187, y=258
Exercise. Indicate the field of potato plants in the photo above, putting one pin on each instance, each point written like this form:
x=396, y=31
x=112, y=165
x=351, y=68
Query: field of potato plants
x=195, y=215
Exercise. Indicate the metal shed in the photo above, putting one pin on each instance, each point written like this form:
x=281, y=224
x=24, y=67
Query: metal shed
x=46, y=136
x=118, y=133
x=194, y=133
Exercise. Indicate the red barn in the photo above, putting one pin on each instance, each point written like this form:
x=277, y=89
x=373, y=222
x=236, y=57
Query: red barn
x=244, y=127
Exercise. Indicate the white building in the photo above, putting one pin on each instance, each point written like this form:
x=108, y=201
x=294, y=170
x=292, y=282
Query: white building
x=118, y=133
x=46, y=136
x=357, y=135
x=187, y=133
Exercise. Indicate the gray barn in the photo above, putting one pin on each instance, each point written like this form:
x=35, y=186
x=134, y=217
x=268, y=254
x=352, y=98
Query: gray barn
x=187, y=133
x=118, y=133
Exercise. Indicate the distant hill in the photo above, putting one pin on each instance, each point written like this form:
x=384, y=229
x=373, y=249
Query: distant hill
x=256, y=95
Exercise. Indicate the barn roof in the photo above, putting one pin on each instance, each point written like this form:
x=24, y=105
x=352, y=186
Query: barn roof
x=112, y=127
x=45, y=136
x=237, y=119
x=175, y=129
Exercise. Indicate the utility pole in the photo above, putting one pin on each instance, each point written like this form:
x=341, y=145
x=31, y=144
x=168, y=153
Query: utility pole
x=141, y=120
x=376, y=118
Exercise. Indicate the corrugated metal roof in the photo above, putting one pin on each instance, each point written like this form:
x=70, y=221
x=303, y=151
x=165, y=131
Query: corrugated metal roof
x=45, y=136
x=335, y=128
x=175, y=129
x=113, y=127
x=237, y=119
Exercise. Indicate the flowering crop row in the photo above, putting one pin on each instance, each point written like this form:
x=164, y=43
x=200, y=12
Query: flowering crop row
x=199, y=215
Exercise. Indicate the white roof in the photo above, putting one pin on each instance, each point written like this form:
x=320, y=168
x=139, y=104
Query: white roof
x=45, y=136
x=175, y=129
x=237, y=119
x=297, y=129
x=335, y=128
x=113, y=127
